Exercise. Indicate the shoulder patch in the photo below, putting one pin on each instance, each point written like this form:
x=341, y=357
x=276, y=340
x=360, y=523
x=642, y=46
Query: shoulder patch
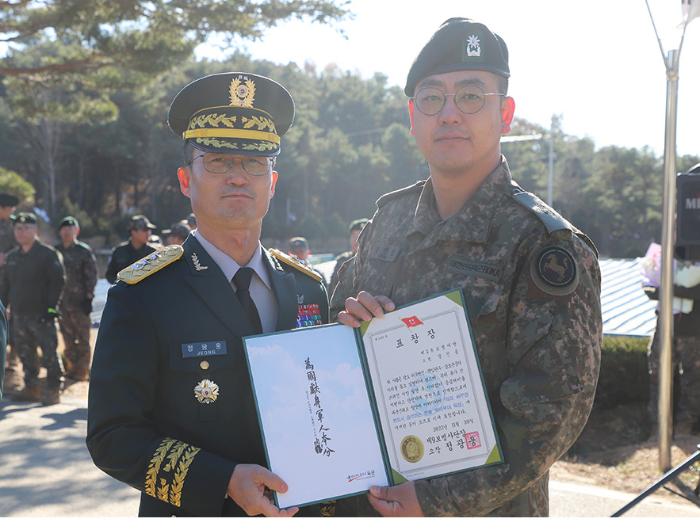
x=553, y=270
x=418, y=186
x=151, y=264
x=551, y=220
x=294, y=263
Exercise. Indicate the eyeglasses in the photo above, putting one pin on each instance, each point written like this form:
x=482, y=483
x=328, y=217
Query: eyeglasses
x=469, y=100
x=220, y=164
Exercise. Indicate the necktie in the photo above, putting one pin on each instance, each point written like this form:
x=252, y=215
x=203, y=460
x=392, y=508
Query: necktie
x=242, y=282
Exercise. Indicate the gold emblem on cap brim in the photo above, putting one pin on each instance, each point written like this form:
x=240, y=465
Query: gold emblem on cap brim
x=241, y=93
x=206, y=391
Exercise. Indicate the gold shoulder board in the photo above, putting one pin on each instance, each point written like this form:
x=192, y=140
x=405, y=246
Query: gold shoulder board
x=151, y=264
x=294, y=262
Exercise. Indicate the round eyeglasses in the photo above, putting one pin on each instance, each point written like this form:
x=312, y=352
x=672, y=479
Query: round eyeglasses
x=469, y=100
x=220, y=164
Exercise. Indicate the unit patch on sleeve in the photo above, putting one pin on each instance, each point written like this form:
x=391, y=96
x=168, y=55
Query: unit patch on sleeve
x=553, y=270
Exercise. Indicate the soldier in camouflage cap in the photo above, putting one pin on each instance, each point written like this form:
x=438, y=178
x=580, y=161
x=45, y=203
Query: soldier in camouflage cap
x=530, y=279
x=76, y=303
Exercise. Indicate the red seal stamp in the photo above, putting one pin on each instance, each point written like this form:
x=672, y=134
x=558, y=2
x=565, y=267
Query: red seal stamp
x=473, y=440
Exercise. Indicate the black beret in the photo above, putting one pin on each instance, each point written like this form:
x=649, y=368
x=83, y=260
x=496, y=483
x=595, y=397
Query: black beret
x=24, y=218
x=459, y=44
x=141, y=222
x=8, y=200
x=68, y=221
x=233, y=112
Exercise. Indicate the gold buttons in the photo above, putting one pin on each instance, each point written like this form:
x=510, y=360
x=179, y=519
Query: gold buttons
x=204, y=365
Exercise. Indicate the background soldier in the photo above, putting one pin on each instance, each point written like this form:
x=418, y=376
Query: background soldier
x=31, y=288
x=76, y=302
x=171, y=409
x=8, y=204
x=530, y=279
x=177, y=233
x=355, y=228
x=137, y=247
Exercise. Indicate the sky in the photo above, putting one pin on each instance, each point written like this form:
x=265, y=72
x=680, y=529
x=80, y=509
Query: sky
x=596, y=63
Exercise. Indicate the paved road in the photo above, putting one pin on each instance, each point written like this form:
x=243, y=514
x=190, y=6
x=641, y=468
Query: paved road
x=45, y=470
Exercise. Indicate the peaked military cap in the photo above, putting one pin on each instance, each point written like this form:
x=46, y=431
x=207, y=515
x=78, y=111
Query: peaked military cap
x=24, y=218
x=459, y=44
x=8, y=200
x=69, y=220
x=233, y=112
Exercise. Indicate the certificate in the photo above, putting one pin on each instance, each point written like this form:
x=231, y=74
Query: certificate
x=401, y=398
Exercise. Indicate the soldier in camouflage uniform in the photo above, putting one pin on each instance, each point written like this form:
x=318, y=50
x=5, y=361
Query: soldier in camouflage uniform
x=530, y=279
x=76, y=303
x=31, y=288
x=355, y=228
x=8, y=203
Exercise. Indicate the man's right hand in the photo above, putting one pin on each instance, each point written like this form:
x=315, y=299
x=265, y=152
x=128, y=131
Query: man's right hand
x=364, y=308
x=247, y=489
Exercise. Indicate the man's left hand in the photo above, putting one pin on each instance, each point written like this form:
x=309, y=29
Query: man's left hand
x=396, y=501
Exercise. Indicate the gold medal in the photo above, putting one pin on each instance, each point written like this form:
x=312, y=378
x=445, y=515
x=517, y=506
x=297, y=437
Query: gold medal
x=412, y=449
x=206, y=391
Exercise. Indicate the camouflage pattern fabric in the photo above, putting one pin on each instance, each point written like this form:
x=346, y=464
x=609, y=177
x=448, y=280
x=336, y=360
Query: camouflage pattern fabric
x=686, y=368
x=81, y=275
x=75, y=328
x=341, y=260
x=7, y=236
x=30, y=332
x=531, y=282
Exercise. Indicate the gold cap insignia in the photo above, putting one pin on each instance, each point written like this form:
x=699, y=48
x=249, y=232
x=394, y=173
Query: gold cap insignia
x=242, y=92
x=206, y=391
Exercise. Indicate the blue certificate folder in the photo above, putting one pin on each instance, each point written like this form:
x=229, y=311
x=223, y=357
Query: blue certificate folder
x=401, y=398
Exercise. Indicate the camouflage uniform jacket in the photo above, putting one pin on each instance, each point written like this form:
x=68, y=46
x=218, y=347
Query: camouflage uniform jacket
x=538, y=343
x=81, y=274
x=33, y=281
x=7, y=236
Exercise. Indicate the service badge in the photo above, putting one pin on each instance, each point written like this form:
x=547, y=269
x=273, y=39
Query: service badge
x=206, y=391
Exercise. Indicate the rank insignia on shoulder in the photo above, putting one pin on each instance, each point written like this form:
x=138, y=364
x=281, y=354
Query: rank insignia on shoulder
x=152, y=263
x=206, y=391
x=553, y=269
x=295, y=263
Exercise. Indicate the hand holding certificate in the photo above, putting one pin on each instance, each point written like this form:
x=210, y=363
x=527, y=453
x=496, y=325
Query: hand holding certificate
x=401, y=398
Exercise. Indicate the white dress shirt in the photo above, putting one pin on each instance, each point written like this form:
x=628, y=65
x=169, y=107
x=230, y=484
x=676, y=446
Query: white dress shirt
x=260, y=285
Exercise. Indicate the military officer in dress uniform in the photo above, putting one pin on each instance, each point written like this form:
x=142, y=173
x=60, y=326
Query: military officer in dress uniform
x=530, y=279
x=171, y=409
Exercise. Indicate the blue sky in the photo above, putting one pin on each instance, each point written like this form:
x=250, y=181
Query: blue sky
x=597, y=63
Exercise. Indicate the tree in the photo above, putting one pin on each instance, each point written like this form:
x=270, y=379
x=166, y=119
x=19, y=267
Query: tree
x=140, y=35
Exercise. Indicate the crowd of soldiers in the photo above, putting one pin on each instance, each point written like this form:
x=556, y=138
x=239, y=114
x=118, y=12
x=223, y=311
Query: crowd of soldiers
x=41, y=286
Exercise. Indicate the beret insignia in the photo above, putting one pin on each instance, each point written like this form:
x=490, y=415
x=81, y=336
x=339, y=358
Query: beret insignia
x=553, y=270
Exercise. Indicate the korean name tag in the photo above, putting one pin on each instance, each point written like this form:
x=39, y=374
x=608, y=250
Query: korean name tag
x=204, y=349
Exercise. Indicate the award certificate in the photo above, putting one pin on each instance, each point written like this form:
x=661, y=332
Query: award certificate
x=401, y=398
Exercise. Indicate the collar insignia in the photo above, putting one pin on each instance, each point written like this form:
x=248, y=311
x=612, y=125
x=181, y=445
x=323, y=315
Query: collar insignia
x=197, y=265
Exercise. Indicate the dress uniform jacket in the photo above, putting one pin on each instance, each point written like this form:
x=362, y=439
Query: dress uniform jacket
x=145, y=425
x=531, y=283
